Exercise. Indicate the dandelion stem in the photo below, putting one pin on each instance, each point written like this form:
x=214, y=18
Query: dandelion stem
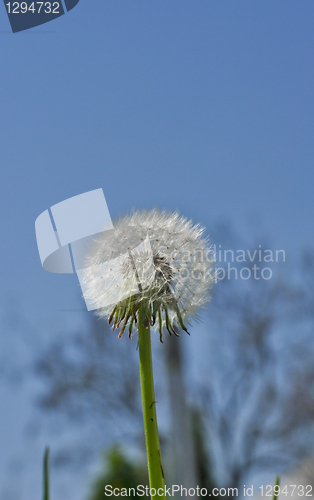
x=155, y=470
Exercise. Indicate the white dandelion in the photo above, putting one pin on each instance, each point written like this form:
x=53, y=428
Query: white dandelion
x=158, y=262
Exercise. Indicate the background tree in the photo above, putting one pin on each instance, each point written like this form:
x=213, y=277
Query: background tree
x=258, y=390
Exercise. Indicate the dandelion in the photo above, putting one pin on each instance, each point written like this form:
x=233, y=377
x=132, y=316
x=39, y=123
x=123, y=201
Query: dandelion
x=155, y=269
x=170, y=281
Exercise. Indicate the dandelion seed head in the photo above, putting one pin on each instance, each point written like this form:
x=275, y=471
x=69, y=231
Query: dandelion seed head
x=172, y=278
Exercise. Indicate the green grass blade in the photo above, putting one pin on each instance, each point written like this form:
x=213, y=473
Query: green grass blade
x=277, y=482
x=46, y=474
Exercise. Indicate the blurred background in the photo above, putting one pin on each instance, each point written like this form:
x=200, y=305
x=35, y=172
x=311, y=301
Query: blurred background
x=205, y=107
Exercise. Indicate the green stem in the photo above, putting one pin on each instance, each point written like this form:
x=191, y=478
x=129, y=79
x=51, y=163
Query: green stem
x=155, y=470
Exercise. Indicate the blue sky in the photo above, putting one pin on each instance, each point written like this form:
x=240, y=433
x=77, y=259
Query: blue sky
x=203, y=106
